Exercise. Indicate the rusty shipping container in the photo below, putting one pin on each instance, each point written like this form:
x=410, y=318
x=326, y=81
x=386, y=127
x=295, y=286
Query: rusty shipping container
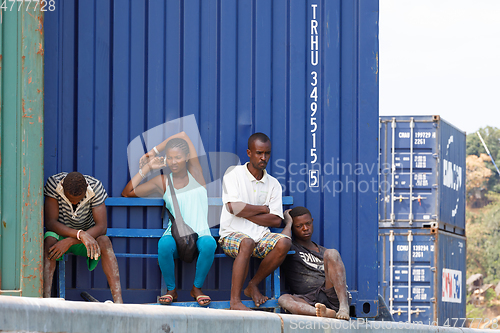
x=21, y=150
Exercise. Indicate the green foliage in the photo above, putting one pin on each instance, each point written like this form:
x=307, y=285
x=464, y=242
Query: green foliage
x=489, y=296
x=491, y=136
x=483, y=245
x=472, y=311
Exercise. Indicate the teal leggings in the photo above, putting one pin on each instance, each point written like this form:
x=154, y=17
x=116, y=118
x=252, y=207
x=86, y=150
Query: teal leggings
x=167, y=252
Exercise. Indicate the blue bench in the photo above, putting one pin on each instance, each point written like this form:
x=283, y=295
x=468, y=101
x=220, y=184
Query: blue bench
x=272, y=280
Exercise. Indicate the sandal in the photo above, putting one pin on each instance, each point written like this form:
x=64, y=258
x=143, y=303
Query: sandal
x=200, y=299
x=166, y=299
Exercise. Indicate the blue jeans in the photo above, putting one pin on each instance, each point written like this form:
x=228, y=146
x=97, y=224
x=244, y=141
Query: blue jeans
x=167, y=252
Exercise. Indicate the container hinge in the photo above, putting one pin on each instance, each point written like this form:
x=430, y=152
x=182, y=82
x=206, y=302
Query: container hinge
x=433, y=269
x=434, y=186
x=393, y=124
x=410, y=236
x=391, y=236
x=435, y=156
x=433, y=300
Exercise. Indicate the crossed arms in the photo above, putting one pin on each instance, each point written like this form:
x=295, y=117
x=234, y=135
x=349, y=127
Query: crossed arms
x=258, y=214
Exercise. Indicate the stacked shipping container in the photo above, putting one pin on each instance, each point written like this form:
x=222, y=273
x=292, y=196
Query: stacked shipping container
x=422, y=219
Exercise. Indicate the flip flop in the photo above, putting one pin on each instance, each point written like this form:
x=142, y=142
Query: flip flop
x=202, y=298
x=168, y=301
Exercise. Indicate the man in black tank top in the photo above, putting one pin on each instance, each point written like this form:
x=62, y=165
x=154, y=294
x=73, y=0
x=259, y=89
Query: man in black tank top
x=316, y=275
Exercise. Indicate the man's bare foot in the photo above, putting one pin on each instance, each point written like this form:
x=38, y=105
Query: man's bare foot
x=253, y=292
x=237, y=305
x=343, y=314
x=323, y=311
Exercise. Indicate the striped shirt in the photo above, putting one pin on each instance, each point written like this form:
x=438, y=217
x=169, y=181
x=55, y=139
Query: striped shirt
x=82, y=217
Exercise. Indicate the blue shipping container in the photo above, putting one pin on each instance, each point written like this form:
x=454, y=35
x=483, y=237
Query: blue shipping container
x=303, y=72
x=422, y=173
x=435, y=260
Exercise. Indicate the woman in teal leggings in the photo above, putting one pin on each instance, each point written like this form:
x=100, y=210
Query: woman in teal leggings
x=189, y=186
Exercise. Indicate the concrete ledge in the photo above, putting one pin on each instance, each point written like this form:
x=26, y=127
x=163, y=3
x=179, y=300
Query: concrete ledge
x=23, y=314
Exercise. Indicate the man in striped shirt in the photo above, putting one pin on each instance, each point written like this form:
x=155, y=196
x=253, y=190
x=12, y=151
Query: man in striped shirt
x=76, y=222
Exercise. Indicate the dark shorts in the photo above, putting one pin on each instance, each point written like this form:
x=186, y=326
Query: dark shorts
x=328, y=297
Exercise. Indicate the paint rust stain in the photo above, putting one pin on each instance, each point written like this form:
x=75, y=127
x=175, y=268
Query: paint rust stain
x=29, y=80
x=4, y=224
x=38, y=91
x=24, y=171
x=40, y=49
x=40, y=119
x=24, y=110
x=40, y=24
x=41, y=141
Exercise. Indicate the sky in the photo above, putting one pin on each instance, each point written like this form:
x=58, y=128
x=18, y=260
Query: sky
x=441, y=57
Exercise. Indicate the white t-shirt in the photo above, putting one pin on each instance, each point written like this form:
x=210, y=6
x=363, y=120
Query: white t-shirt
x=239, y=185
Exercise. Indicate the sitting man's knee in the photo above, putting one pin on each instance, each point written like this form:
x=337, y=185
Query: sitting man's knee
x=104, y=241
x=247, y=245
x=49, y=242
x=332, y=255
x=283, y=244
x=282, y=301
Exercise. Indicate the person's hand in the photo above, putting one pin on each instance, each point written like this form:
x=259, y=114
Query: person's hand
x=146, y=158
x=60, y=248
x=157, y=163
x=288, y=219
x=93, y=249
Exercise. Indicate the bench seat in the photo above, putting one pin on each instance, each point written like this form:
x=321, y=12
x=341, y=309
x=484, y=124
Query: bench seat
x=272, y=280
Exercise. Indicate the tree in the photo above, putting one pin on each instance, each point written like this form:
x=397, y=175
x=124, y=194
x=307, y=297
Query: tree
x=477, y=179
x=483, y=233
x=491, y=136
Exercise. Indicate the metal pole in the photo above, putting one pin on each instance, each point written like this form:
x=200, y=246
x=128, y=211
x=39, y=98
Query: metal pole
x=412, y=125
x=393, y=168
x=391, y=265
x=410, y=238
x=488, y=151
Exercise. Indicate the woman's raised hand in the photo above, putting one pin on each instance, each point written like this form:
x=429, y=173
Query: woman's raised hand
x=156, y=163
x=146, y=158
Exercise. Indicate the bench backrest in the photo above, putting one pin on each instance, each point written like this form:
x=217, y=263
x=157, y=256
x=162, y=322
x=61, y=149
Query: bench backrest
x=157, y=202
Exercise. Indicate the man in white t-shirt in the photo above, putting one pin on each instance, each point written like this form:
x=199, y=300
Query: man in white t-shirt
x=252, y=204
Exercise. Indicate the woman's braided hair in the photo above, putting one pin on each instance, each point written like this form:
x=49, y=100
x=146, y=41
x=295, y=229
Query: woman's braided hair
x=178, y=143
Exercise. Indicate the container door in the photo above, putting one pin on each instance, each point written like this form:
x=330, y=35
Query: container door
x=406, y=263
x=408, y=172
x=450, y=287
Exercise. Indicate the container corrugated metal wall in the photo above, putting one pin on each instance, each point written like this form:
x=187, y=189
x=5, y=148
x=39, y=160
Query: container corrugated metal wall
x=21, y=150
x=429, y=190
x=437, y=269
x=118, y=68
